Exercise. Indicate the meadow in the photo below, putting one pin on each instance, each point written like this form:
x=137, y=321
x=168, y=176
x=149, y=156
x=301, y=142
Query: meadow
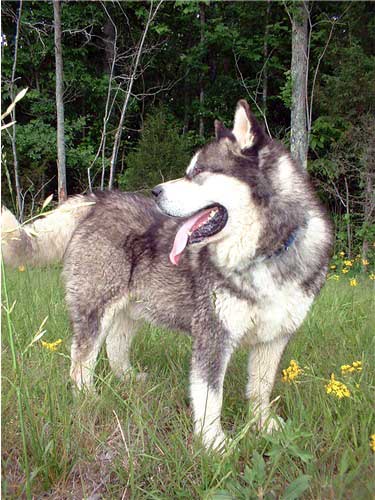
x=133, y=438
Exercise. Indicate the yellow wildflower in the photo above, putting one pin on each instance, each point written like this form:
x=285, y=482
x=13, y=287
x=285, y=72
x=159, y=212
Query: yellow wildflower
x=332, y=267
x=51, y=346
x=334, y=277
x=337, y=388
x=358, y=257
x=346, y=369
x=353, y=282
x=372, y=276
x=344, y=271
x=342, y=254
x=364, y=262
x=292, y=371
x=21, y=269
x=348, y=263
x=372, y=442
x=356, y=366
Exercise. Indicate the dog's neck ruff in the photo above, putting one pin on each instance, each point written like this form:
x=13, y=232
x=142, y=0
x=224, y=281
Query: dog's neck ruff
x=284, y=247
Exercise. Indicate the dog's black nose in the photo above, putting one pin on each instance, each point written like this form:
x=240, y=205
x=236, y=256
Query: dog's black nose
x=156, y=191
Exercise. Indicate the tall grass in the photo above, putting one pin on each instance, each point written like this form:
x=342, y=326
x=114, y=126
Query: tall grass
x=133, y=439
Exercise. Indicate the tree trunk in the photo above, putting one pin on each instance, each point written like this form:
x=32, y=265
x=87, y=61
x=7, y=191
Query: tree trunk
x=186, y=106
x=61, y=169
x=202, y=16
x=265, y=56
x=368, y=198
x=348, y=219
x=298, y=133
x=13, y=119
x=109, y=39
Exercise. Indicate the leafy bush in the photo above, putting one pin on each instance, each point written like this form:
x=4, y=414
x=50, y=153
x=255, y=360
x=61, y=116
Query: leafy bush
x=326, y=131
x=162, y=153
x=344, y=176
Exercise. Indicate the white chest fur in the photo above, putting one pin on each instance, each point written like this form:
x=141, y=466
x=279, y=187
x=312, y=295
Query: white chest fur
x=276, y=311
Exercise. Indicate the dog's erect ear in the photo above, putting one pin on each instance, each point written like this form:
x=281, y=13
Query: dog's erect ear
x=246, y=128
x=221, y=131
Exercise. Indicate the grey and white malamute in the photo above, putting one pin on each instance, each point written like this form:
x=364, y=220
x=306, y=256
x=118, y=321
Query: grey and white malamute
x=235, y=250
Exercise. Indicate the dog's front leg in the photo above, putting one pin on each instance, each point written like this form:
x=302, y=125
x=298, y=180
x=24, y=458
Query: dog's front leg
x=264, y=360
x=209, y=363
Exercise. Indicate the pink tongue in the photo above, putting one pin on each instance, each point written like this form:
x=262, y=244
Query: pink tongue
x=182, y=236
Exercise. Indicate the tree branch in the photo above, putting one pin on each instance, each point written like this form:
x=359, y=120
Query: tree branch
x=250, y=96
x=13, y=119
x=151, y=16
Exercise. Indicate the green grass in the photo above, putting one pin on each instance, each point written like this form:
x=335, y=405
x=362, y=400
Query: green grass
x=135, y=438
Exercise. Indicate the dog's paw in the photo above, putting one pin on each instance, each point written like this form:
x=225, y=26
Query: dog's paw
x=272, y=424
x=131, y=374
x=218, y=443
x=141, y=376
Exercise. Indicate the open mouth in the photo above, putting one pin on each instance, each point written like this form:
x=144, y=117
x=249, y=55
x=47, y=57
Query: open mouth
x=198, y=227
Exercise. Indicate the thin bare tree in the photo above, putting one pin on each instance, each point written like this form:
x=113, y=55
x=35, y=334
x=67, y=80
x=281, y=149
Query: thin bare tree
x=302, y=92
x=369, y=198
x=265, y=56
x=299, y=65
x=252, y=95
x=202, y=18
x=133, y=73
x=309, y=103
x=13, y=119
x=112, y=55
x=61, y=157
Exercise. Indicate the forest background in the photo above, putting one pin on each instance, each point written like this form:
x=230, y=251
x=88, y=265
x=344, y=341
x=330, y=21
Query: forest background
x=144, y=81
x=139, y=85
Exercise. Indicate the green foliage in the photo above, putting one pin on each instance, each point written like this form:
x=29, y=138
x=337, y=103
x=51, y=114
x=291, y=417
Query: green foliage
x=256, y=478
x=343, y=267
x=37, y=142
x=227, y=63
x=349, y=91
x=137, y=436
x=161, y=154
x=344, y=174
x=326, y=131
x=286, y=90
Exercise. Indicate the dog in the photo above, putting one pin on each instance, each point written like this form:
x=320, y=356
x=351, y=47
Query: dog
x=236, y=250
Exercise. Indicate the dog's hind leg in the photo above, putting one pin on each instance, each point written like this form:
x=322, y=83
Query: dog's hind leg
x=84, y=353
x=120, y=332
x=263, y=363
x=116, y=328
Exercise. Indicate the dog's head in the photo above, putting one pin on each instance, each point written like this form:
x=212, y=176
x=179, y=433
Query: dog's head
x=223, y=188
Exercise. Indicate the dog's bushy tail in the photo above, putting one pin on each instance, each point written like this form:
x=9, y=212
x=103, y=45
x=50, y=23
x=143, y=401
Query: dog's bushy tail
x=44, y=240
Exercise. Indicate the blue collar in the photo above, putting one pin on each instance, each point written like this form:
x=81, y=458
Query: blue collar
x=286, y=245
x=283, y=248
